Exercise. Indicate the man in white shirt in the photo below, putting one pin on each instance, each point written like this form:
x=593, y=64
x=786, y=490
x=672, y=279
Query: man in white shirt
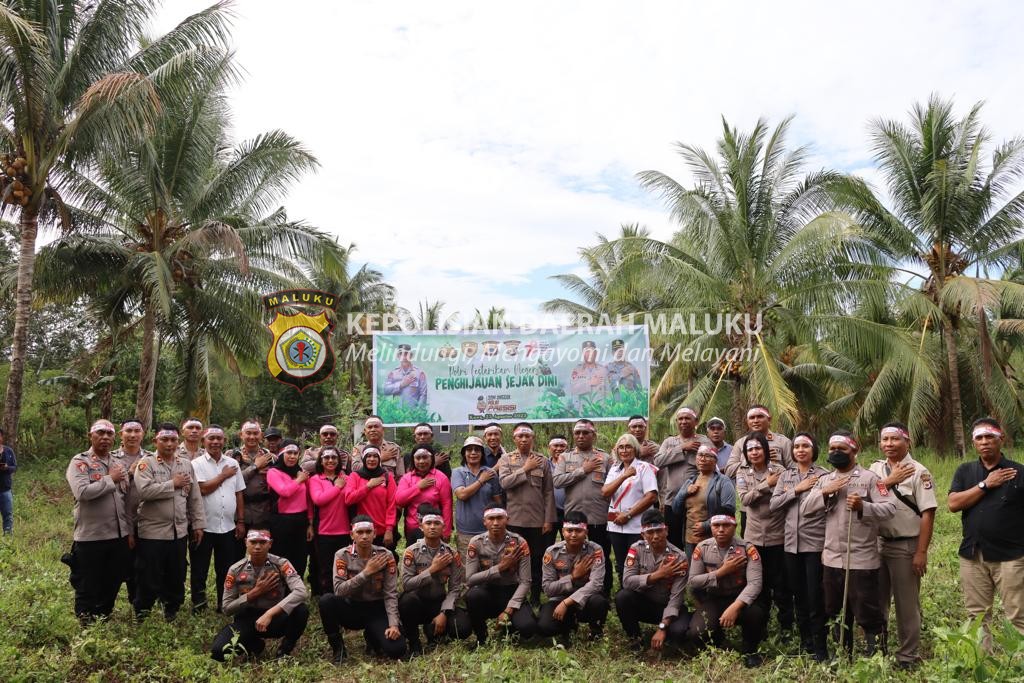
x=220, y=482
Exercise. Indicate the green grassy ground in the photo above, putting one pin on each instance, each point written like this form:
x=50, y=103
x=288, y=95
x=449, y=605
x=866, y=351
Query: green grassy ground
x=40, y=640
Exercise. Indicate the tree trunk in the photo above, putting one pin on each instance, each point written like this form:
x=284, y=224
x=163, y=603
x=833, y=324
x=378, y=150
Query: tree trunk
x=739, y=414
x=19, y=345
x=147, y=368
x=949, y=336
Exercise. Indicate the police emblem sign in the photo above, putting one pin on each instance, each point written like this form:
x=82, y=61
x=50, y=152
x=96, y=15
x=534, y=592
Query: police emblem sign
x=300, y=352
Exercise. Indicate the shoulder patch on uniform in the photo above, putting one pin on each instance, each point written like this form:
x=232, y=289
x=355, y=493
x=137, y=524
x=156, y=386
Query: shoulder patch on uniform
x=142, y=466
x=753, y=554
x=82, y=467
x=95, y=476
x=471, y=550
x=526, y=548
x=229, y=581
x=926, y=480
x=287, y=568
x=392, y=565
x=881, y=488
x=547, y=558
x=697, y=553
x=408, y=560
x=340, y=567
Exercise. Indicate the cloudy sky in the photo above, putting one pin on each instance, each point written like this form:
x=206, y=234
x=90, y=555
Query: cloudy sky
x=469, y=149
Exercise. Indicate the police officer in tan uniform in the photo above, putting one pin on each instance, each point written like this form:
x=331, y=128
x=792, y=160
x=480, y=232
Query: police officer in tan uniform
x=191, y=445
x=581, y=473
x=654, y=585
x=904, y=538
x=855, y=502
x=638, y=428
x=365, y=596
x=525, y=476
x=589, y=380
x=498, y=577
x=390, y=453
x=103, y=524
x=132, y=451
x=725, y=581
x=573, y=577
x=267, y=599
x=433, y=582
x=780, y=448
x=169, y=503
x=328, y=439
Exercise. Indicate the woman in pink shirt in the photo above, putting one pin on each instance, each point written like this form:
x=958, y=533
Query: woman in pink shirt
x=290, y=519
x=371, y=489
x=424, y=484
x=327, y=489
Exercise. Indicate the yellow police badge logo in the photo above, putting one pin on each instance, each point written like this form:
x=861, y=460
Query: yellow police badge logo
x=300, y=353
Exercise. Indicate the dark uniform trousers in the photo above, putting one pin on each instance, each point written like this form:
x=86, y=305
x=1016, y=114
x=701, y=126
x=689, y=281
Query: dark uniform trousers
x=225, y=550
x=535, y=539
x=416, y=611
x=776, y=585
x=593, y=612
x=102, y=566
x=488, y=601
x=804, y=573
x=250, y=641
x=753, y=620
x=316, y=571
x=337, y=613
x=634, y=607
x=326, y=547
x=862, y=603
x=289, y=533
x=160, y=574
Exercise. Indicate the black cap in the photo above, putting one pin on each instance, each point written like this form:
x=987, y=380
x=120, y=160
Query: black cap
x=589, y=345
x=618, y=344
x=405, y=347
x=272, y=432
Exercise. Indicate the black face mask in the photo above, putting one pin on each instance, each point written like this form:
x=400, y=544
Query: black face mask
x=839, y=459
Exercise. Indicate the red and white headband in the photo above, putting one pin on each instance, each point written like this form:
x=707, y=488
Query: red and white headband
x=895, y=431
x=707, y=450
x=522, y=429
x=574, y=525
x=558, y=441
x=362, y=525
x=583, y=427
x=290, y=448
x=495, y=512
x=101, y=425
x=192, y=421
x=723, y=519
x=492, y=429
x=213, y=431
x=840, y=440
x=687, y=411
x=758, y=412
x=327, y=429
x=652, y=527
x=431, y=518
x=250, y=425
x=423, y=429
x=803, y=439
x=167, y=432
x=258, y=535
x=637, y=421
x=986, y=430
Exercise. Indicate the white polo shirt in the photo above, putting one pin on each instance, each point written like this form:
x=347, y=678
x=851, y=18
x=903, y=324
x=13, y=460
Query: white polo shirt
x=220, y=505
x=630, y=492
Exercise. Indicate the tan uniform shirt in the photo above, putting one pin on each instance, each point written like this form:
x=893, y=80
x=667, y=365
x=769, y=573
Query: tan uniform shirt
x=308, y=460
x=805, y=533
x=743, y=585
x=582, y=490
x=351, y=583
x=675, y=465
x=556, y=577
x=530, y=495
x=101, y=505
x=483, y=556
x=184, y=452
x=132, y=460
x=640, y=562
x=447, y=585
x=919, y=489
x=164, y=511
x=289, y=593
x=765, y=528
x=780, y=450
x=395, y=466
x=877, y=506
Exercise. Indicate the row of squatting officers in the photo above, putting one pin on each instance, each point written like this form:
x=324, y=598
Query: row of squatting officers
x=137, y=511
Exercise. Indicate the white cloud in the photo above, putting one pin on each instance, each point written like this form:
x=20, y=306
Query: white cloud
x=456, y=138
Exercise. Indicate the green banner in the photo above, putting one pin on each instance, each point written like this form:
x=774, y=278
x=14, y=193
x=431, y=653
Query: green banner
x=601, y=373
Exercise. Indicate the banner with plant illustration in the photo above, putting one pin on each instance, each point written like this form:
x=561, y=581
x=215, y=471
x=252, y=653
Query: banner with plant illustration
x=601, y=373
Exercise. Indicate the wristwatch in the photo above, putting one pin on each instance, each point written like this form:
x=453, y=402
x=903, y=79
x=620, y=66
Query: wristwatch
x=983, y=486
x=662, y=626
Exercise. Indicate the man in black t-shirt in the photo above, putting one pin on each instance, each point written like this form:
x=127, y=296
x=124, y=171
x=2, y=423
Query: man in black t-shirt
x=990, y=493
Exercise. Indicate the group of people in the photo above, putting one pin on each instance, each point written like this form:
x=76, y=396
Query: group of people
x=481, y=541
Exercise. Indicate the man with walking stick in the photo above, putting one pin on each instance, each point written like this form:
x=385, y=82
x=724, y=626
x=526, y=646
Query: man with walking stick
x=855, y=500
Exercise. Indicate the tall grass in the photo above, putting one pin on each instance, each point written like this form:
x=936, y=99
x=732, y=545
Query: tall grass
x=40, y=640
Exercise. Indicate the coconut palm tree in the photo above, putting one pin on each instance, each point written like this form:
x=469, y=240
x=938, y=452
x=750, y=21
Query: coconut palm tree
x=952, y=208
x=756, y=239
x=429, y=316
x=183, y=233
x=74, y=82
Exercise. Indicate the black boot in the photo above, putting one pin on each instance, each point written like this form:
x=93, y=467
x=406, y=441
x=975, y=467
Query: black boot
x=338, y=652
x=874, y=642
x=285, y=648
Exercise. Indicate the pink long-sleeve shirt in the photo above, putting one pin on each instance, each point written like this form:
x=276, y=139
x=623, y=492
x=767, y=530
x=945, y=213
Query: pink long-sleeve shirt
x=410, y=497
x=378, y=502
x=291, y=495
x=331, y=501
